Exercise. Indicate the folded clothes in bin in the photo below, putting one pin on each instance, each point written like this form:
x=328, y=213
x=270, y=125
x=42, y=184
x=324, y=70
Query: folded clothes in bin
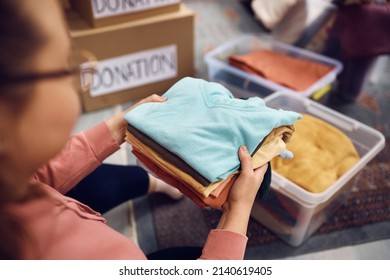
x=191, y=140
x=292, y=72
x=322, y=154
x=320, y=148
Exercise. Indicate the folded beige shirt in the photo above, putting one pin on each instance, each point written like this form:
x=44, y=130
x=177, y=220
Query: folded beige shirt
x=270, y=13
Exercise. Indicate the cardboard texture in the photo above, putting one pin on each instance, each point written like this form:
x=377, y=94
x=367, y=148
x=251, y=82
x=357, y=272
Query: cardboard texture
x=100, y=13
x=138, y=58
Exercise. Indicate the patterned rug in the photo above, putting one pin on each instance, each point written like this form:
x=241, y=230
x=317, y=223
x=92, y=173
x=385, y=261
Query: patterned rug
x=364, y=217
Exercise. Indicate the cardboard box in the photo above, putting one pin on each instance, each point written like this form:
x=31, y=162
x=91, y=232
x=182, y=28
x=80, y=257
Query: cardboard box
x=107, y=12
x=290, y=211
x=138, y=58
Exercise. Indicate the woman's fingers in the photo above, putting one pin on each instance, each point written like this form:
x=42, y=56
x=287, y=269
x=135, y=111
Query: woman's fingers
x=150, y=98
x=246, y=161
x=261, y=170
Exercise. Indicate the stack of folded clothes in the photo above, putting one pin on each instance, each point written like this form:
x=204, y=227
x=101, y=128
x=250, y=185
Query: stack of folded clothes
x=191, y=140
x=292, y=72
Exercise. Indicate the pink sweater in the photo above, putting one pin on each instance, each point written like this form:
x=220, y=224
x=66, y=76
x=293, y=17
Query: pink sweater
x=63, y=228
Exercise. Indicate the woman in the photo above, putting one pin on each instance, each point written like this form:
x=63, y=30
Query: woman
x=39, y=163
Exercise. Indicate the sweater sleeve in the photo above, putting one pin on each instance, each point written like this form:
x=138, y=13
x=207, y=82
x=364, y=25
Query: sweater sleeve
x=224, y=245
x=82, y=154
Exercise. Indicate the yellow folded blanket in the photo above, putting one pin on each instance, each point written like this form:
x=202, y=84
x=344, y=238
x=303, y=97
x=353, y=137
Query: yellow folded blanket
x=322, y=154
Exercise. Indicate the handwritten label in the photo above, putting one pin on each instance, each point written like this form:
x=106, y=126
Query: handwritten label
x=108, y=8
x=134, y=70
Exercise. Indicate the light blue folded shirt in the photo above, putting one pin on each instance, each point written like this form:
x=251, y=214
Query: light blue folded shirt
x=204, y=124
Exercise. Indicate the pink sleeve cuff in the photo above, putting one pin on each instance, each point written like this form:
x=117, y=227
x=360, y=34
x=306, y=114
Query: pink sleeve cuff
x=101, y=141
x=224, y=245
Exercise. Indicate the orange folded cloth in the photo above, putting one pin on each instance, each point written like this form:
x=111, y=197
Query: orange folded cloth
x=295, y=73
x=198, y=198
x=322, y=154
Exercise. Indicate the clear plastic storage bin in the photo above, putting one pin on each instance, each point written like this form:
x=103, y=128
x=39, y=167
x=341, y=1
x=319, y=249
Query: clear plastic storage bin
x=220, y=71
x=290, y=211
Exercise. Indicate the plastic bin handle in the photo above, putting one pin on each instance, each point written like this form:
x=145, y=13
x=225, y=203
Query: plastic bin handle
x=332, y=117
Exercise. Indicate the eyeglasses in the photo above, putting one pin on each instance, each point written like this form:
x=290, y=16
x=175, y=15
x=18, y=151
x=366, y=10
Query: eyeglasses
x=84, y=66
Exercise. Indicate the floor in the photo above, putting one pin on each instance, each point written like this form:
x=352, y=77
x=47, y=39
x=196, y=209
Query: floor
x=122, y=218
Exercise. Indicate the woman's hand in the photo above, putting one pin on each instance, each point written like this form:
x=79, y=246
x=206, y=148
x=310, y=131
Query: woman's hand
x=117, y=124
x=237, y=209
